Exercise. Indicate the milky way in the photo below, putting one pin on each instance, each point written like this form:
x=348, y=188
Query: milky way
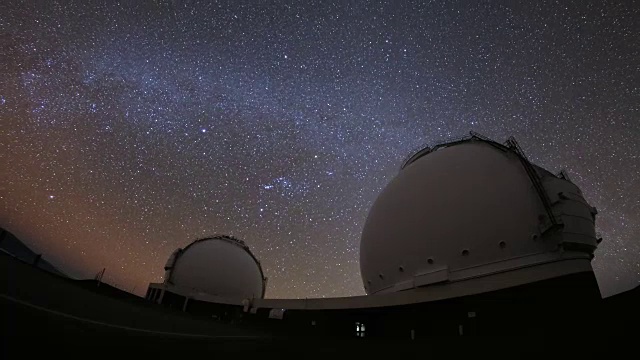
x=131, y=129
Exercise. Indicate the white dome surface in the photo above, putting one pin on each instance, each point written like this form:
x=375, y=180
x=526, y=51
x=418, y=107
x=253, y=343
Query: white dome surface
x=218, y=266
x=456, y=208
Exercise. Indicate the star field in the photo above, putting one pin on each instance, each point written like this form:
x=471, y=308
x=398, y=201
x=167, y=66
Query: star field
x=130, y=129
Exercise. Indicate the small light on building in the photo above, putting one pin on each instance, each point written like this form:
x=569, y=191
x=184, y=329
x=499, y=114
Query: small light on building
x=360, y=329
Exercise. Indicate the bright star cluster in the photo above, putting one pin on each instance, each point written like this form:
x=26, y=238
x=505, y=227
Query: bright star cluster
x=128, y=129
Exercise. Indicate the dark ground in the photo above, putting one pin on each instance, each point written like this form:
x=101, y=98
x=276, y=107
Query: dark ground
x=45, y=314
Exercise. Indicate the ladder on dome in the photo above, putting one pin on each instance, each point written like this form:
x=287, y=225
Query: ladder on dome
x=535, y=178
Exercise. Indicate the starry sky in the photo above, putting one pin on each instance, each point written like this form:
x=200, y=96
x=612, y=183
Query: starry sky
x=130, y=128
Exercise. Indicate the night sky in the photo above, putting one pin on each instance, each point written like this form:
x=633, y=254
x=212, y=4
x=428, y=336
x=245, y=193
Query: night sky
x=130, y=129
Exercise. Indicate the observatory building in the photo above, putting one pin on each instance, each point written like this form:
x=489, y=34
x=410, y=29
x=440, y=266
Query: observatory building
x=470, y=237
x=218, y=267
x=473, y=208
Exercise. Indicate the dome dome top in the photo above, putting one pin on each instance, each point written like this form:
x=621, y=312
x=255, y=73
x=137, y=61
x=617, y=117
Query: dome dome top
x=465, y=209
x=219, y=265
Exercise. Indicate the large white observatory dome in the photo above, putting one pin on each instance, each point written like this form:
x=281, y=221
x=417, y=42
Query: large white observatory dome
x=472, y=208
x=220, y=265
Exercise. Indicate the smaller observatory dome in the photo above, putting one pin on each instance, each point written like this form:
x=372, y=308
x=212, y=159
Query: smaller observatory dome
x=219, y=265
